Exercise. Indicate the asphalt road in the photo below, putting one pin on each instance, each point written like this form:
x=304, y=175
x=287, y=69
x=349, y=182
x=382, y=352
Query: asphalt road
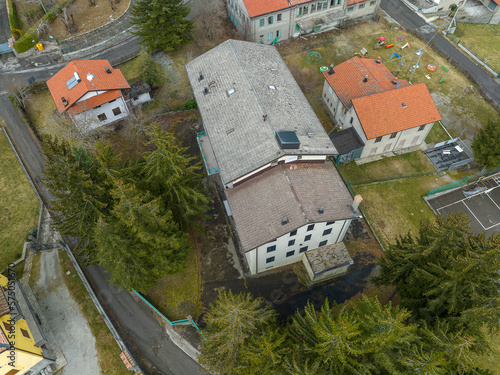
x=139, y=327
x=489, y=85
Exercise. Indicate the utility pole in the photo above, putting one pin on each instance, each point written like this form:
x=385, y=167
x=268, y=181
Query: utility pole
x=420, y=52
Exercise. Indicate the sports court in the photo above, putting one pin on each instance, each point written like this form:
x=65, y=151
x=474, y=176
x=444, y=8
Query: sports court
x=480, y=201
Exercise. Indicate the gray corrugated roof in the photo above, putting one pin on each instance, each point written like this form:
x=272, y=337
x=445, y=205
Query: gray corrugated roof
x=295, y=191
x=346, y=140
x=241, y=139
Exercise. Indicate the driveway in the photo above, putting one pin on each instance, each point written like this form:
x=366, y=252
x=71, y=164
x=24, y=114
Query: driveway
x=70, y=328
x=410, y=20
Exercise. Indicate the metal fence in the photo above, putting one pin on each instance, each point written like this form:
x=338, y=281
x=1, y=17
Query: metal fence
x=463, y=181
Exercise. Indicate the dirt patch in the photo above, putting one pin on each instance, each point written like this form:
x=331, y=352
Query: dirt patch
x=86, y=17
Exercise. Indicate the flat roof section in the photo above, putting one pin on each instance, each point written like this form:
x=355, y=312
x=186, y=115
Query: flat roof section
x=346, y=140
x=329, y=257
x=452, y=153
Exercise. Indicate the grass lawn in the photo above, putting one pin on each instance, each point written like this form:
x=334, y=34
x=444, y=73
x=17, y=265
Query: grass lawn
x=413, y=163
x=437, y=134
x=108, y=350
x=482, y=39
x=396, y=207
x=39, y=107
x=457, y=99
x=176, y=296
x=19, y=206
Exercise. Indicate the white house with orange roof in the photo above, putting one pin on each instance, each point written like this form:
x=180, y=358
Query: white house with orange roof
x=90, y=93
x=268, y=21
x=379, y=114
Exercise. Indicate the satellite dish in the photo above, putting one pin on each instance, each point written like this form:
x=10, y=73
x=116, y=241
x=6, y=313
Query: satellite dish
x=90, y=77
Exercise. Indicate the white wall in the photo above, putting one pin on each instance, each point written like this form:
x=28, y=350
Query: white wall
x=89, y=120
x=257, y=258
x=404, y=139
x=143, y=98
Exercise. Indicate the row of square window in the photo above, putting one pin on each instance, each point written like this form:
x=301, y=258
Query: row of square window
x=393, y=135
x=306, y=238
x=301, y=250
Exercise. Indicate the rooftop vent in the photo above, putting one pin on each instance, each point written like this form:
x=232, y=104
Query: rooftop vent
x=108, y=70
x=321, y=210
x=365, y=79
x=273, y=69
x=394, y=80
x=403, y=105
x=378, y=60
x=200, y=78
x=310, y=134
x=231, y=91
x=65, y=102
x=398, y=85
x=287, y=140
x=205, y=91
x=331, y=71
x=284, y=221
x=230, y=131
x=272, y=87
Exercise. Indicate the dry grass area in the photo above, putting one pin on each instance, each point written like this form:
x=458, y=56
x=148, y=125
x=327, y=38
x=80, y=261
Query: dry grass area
x=458, y=100
x=482, y=39
x=176, y=296
x=86, y=17
x=40, y=106
x=395, y=208
x=19, y=207
x=409, y=164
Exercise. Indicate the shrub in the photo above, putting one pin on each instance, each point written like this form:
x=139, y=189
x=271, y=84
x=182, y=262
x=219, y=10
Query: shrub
x=14, y=24
x=190, y=105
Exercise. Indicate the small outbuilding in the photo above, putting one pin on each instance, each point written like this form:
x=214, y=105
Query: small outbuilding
x=327, y=262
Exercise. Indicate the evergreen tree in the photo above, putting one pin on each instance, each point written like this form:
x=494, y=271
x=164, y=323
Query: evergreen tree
x=486, y=144
x=161, y=24
x=447, y=273
x=149, y=70
x=80, y=189
x=232, y=322
x=174, y=177
x=139, y=242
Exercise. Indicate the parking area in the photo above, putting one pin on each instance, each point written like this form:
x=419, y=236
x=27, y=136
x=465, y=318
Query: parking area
x=480, y=201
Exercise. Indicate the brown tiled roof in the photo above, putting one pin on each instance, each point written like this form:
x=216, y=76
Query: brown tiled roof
x=3, y=340
x=93, y=102
x=348, y=79
x=4, y=306
x=102, y=81
x=258, y=7
x=127, y=359
x=396, y=110
x=295, y=191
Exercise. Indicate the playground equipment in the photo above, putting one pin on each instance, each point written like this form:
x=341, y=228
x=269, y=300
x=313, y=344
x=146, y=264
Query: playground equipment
x=394, y=54
x=406, y=45
x=323, y=69
x=381, y=41
x=313, y=57
x=389, y=45
x=431, y=67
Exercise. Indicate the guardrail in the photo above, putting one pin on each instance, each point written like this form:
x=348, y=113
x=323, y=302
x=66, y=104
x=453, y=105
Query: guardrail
x=188, y=321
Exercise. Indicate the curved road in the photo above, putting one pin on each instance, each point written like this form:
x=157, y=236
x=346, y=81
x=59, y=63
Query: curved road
x=489, y=86
x=138, y=326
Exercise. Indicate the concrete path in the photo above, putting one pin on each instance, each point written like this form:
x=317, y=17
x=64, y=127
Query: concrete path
x=489, y=86
x=70, y=328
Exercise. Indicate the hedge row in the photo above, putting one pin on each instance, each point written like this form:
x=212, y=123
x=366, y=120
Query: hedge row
x=26, y=41
x=14, y=24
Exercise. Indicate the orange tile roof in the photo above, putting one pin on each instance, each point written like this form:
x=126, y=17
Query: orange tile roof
x=102, y=81
x=93, y=102
x=383, y=113
x=348, y=79
x=259, y=7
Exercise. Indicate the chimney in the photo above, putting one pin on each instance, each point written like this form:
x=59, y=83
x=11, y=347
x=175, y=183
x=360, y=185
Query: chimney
x=284, y=221
x=355, y=204
x=321, y=210
x=65, y=102
x=200, y=78
x=108, y=70
x=366, y=78
x=331, y=71
x=403, y=105
x=205, y=91
x=394, y=80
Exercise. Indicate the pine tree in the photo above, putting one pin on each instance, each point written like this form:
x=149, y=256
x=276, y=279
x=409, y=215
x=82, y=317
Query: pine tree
x=80, y=189
x=447, y=273
x=174, y=177
x=139, y=242
x=486, y=144
x=161, y=24
x=231, y=323
x=149, y=70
